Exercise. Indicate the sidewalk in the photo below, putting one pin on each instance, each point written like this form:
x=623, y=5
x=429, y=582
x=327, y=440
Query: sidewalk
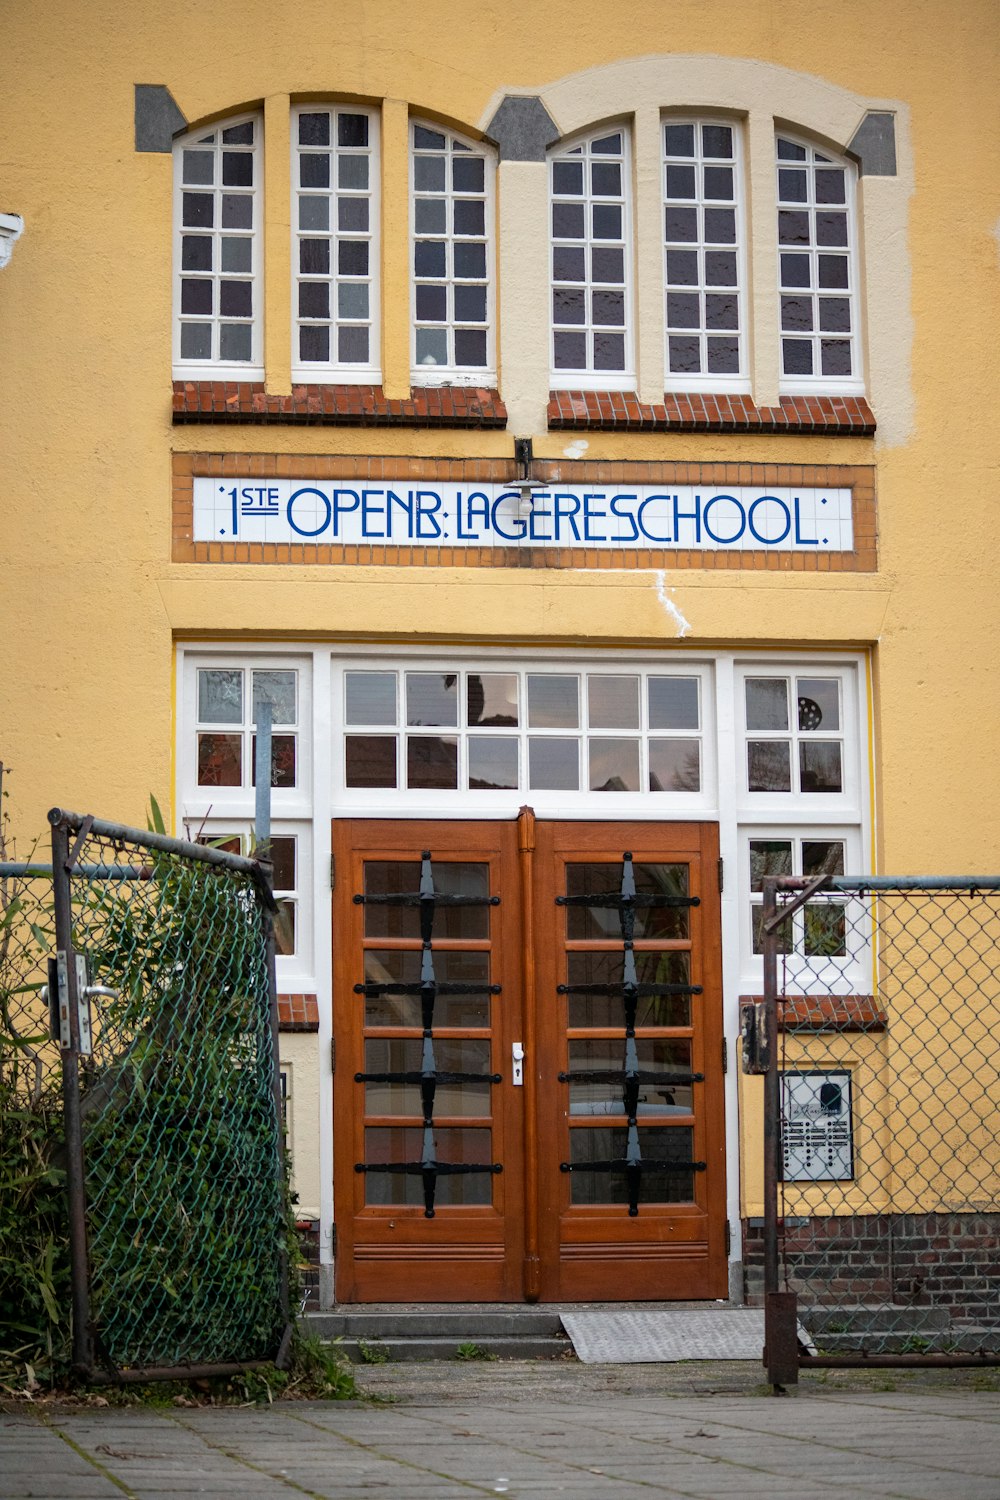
x=588, y=1432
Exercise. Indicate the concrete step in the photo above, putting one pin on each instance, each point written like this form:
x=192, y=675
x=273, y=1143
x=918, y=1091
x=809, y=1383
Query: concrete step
x=874, y=1318
x=463, y=1324
x=956, y=1340
x=392, y=1350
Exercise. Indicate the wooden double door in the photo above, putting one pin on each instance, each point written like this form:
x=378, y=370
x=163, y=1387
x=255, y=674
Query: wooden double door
x=528, y=1091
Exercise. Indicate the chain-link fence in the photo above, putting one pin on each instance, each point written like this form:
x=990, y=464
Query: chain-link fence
x=880, y=1040
x=159, y=962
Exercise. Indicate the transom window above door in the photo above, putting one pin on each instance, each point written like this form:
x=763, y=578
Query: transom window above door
x=531, y=731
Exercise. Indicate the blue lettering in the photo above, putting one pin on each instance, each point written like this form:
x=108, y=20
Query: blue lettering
x=561, y=512
x=625, y=515
x=368, y=510
x=724, y=541
x=687, y=515
x=517, y=535
x=590, y=513
x=769, y=541
x=427, y=512
x=406, y=506
x=800, y=540
x=301, y=530
x=651, y=536
x=340, y=508
x=536, y=530
x=477, y=510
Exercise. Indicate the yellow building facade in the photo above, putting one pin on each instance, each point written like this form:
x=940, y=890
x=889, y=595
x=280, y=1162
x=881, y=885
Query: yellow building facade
x=578, y=434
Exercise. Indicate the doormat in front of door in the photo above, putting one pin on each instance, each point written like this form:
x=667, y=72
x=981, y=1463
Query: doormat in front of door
x=632, y=1338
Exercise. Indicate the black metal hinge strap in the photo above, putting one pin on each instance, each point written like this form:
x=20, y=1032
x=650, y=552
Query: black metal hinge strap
x=610, y=1075
x=414, y=898
x=442, y=987
x=413, y=1168
x=418, y=1077
x=640, y=991
x=642, y=901
x=619, y=1164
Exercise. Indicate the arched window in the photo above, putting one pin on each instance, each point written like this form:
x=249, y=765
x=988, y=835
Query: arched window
x=217, y=250
x=335, y=249
x=818, y=269
x=452, y=226
x=704, y=257
x=591, y=224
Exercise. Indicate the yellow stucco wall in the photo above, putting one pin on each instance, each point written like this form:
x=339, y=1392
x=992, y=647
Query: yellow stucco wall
x=92, y=602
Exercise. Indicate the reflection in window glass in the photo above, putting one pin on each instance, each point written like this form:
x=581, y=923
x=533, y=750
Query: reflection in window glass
x=451, y=966
x=400, y=877
x=432, y=698
x=769, y=767
x=613, y=702
x=493, y=764
x=605, y=1054
x=675, y=765
x=491, y=698
x=818, y=703
x=657, y=1144
x=769, y=857
x=820, y=766
x=404, y=1143
x=220, y=759
x=451, y=1055
x=673, y=703
x=220, y=696
x=283, y=748
x=553, y=765
x=614, y=765
x=606, y=968
x=553, y=701
x=370, y=697
x=370, y=760
x=587, y=879
x=278, y=689
x=431, y=762
x=767, y=703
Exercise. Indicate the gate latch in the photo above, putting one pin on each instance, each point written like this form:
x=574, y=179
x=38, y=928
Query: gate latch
x=56, y=993
x=517, y=1064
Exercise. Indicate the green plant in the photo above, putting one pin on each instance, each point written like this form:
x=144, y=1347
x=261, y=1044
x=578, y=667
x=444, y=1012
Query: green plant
x=472, y=1351
x=373, y=1352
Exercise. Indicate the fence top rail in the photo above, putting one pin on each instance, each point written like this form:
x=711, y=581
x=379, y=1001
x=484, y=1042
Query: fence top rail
x=120, y=833
x=15, y=867
x=861, y=884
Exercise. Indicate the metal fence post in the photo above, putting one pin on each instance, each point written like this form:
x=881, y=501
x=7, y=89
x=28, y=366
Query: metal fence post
x=83, y=1343
x=780, y=1343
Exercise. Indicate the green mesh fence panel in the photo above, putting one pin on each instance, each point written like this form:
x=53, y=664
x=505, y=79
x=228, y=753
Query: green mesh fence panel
x=888, y=1203
x=181, y=1142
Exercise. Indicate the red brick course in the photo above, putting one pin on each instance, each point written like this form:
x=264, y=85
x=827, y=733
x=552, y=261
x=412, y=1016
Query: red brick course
x=336, y=405
x=298, y=1013
x=826, y=1012
x=825, y=416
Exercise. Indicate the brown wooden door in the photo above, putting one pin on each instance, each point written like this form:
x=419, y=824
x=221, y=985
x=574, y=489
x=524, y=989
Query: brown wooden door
x=599, y=1173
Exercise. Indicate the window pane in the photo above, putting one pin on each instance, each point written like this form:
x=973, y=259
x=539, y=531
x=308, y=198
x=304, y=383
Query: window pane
x=825, y=930
x=451, y=1055
x=819, y=703
x=282, y=850
x=352, y=346
x=284, y=928
x=370, y=760
x=402, y=877
x=606, y=1054
x=493, y=763
x=220, y=758
x=370, y=697
x=769, y=857
x=658, y=1184
x=674, y=766
x=432, y=698
x=822, y=857
x=596, y=923
x=757, y=932
x=820, y=766
x=278, y=689
x=431, y=762
x=613, y=702
x=314, y=129
x=220, y=696
x=491, y=698
x=553, y=701
x=767, y=703
x=554, y=765
x=614, y=765
x=607, y=968
x=679, y=140
x=673, y=703
x=404, y=1143
x=432, y=346
x=769, y=766
x=402, y=966
x=282, y=760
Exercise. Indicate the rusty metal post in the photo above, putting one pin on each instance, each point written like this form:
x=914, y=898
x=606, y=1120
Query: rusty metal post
x=780, y=1323
x=267, y=911
x=83, y=1337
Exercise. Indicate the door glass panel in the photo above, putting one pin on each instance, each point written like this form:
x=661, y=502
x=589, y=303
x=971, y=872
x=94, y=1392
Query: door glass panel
x=598, y=923
x=404, y=1054
x=659, y=1054
x=402, y=966
x=669, y=967
x=398, y=877
x=657, y=1143
x=405, y=1143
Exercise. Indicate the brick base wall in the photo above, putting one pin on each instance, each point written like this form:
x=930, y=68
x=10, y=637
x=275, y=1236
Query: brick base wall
x=941, y=1260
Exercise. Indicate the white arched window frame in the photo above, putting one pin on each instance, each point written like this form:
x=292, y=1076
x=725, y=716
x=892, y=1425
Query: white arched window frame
x=452, y=258
x=336, y=192
x=819, y=270
x=705, y=261
x=592, y=339
x=218, y=252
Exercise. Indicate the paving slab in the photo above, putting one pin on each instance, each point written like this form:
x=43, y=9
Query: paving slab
x=640, y=1432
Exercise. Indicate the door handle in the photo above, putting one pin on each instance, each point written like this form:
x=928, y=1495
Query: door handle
x=517, y=1064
